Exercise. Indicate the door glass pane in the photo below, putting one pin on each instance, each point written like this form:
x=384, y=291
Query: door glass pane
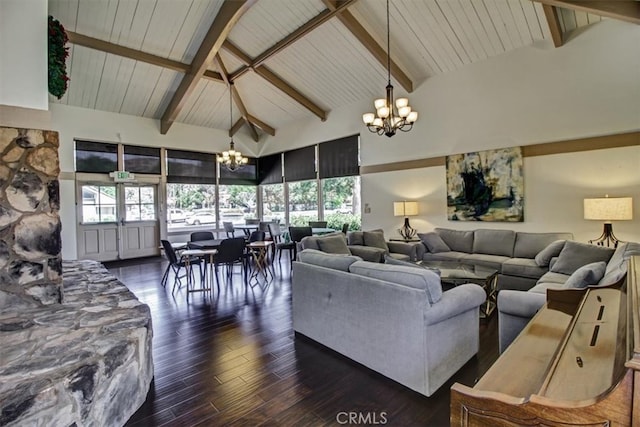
x=341, y=198
x=140, y=203
x=303, y=202
x=237, y=203
x=273, y=202
x=98, y=203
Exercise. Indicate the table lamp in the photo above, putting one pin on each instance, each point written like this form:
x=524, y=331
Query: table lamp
x=608, y=209
x=406, y=209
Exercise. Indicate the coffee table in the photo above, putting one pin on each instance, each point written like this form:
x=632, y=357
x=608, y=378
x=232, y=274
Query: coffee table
x=458, y=273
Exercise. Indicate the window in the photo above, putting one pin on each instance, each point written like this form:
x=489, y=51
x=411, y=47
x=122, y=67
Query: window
x=139, y=203
x=273, y=203
x=189, y=167
x=98, y=203
x=237, y=202
x=341, y=197
x=303, y=202
x=96, y=157
x=190, y=205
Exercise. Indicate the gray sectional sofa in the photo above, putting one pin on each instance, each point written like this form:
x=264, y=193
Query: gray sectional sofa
x=577, y=266
x=393, y=319
x=512, y=253
x=368, y=245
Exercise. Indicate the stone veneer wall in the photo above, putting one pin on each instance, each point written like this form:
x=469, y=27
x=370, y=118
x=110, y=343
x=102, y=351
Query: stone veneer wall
x=75, y=343
x=30, y=246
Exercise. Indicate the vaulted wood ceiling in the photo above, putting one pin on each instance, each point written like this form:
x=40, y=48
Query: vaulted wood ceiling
x=176, y=60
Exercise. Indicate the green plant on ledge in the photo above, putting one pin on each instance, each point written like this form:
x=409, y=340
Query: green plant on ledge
x=58, y=54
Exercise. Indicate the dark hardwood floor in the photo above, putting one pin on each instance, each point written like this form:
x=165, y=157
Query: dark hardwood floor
x=234, y=360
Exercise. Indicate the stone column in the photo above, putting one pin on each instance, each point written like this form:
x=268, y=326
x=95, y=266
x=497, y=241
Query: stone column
x=30, y=244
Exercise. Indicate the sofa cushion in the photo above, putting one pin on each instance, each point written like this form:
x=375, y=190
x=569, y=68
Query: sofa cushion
x=355, y=238
x=334, y=244
x=552, y=250
x=551, y=277
x=444, y=256
x=407, y=276
x=327, y=260
x=398, y=256
x=541, y=288
x=368, y=253
x=523, y=267
x=310, y=242
x=574, y=255
x=460, y=241
x=617, y=265
x=375, y=239
x=494, y=242
x=433, y=242
x=586, y=275
x=528, y=245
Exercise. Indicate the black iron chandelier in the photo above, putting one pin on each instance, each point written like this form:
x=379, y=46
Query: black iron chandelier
x=388, y=119
x=232, y=159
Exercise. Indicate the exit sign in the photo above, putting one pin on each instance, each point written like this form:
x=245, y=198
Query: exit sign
x=122, y=176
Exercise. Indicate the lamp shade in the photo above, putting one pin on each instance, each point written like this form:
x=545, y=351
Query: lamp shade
x=405, y=208
x=609, y=208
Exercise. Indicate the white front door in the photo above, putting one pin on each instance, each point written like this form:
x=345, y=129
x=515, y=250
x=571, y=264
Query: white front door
x=117, y=220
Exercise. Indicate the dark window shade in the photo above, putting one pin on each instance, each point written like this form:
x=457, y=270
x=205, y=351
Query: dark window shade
x=142, y=159
x=338, y=157
x=246, y=175
x=97, y=157
x=190, y=167
x=270, y=169
x=299, y=165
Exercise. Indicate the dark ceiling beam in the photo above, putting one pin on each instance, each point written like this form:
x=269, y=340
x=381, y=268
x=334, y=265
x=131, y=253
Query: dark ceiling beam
x=262, y=125
x=624, y=10
x=303, y=30
x=136, y=55
x=378, y=52
x=225, y=20
x=272, y=78
x=236, y=98
x=551, y=13
x=236, y=127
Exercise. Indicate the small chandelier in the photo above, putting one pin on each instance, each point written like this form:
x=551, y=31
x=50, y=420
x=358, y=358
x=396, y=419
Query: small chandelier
x=232, y=159
x=388, y=119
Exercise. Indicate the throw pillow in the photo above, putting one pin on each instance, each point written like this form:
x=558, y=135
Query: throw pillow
x=323, y=259
x=574, y=255
x=586, y=275
x=543, y=258
x=433, y=242
x=334, y=244
x=375, y=239
x=393, y=261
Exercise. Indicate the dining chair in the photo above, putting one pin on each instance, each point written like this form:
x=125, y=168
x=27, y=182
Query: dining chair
x=345, y=228
x=229, y=229
x=278, y=240
x=255, y=236
x=296, y=234
x=230, y=252
x=176, y=264
x=318, y=224
x=201, y=235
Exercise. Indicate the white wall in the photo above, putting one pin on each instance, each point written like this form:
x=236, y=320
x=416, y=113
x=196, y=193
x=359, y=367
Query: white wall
x=23, y=63
x=555, y=186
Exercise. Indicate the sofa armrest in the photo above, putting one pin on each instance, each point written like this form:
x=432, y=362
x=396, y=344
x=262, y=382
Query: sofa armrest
x=456, y=301
x=515, y=310
x=406, y=248
x=368, y=253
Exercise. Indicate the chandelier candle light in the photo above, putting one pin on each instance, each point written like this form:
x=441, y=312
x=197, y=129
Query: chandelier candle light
x=387, y=119
x=232, y=159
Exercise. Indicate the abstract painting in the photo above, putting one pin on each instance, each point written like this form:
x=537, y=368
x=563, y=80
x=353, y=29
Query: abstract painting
x=486, y=186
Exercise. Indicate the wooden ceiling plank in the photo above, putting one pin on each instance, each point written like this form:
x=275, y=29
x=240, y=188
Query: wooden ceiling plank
x=276, y=81
x=624, y=10
x=262, y=125
x=272, y=78
x=227, y=17
x=303, y=30
x=551, y=13
x=236, y=97
x=375, y=49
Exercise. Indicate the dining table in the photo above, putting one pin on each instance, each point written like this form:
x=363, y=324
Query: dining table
x=205, y=244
